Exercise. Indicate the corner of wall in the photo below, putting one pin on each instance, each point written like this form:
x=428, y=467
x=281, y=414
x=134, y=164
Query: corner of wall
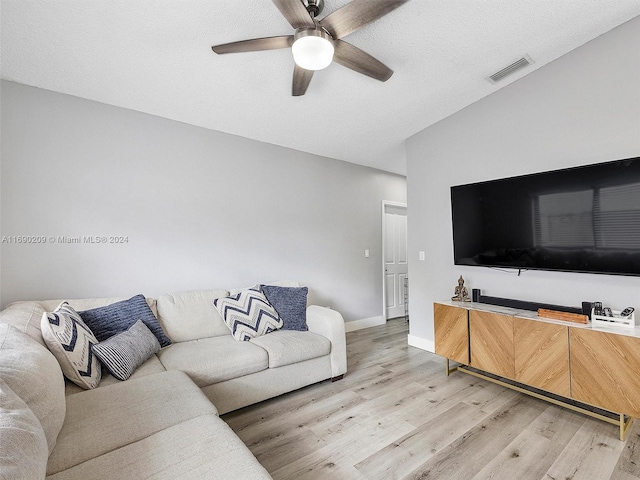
x=354, y=325
x=1, y=202
x=421, y=343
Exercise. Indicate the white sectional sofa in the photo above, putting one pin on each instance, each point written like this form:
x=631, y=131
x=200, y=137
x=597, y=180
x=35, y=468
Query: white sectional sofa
x=161, y=423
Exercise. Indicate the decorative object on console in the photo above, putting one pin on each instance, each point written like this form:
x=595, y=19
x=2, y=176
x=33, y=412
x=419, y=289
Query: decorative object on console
x=70, y=341
x=597, y=308
x=248, y=314
x=461, y=292
x=627, y=312
x=586, y=309
x=290, y=303
x=475, y=294
x=123, y=353
x=112, y=319
x=564, y=316
x=616, y=319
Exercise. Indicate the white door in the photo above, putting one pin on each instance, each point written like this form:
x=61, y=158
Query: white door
x=395, y=258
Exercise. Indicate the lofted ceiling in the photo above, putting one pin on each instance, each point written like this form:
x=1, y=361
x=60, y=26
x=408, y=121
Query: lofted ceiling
x=154, y=56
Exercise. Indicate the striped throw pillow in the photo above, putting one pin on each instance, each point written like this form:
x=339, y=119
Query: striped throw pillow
x=123, y=353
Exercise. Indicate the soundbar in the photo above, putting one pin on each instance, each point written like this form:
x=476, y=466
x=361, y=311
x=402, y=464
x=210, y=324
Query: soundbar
x=520, y=304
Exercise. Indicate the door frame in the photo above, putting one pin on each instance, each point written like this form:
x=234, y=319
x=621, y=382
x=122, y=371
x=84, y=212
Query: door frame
x=385, y=204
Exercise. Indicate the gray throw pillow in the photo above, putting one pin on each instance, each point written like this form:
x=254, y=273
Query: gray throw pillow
x=112, y=319
x=291, y=305
x=123, y=353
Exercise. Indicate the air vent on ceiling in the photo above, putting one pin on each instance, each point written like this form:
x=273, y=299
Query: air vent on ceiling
x=510, y=69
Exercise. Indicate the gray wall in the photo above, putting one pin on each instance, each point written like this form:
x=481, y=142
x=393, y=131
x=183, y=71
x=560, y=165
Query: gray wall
x=583, y=108
x=201, y=209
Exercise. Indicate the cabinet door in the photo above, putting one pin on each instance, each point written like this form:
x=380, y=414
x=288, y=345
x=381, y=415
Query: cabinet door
x=604, y=370
x=451, y=330
x=541, y=353
x=491, y=337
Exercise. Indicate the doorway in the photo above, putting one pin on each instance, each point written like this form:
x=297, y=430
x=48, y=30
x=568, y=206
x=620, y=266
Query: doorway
x=394, y=258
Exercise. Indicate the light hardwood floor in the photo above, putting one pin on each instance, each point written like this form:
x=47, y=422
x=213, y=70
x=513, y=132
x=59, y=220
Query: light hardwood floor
x=396, y=415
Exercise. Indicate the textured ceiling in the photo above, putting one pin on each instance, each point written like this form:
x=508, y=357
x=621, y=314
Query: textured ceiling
x=154, y=56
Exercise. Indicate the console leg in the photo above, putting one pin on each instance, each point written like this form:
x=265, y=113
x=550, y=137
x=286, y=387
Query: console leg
x=625, y=426
x=448, y=368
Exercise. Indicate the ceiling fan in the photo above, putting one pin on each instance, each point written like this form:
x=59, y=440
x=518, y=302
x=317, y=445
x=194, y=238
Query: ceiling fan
x=316, y=43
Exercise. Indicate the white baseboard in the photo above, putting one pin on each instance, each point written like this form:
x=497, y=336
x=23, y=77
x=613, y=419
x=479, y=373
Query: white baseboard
x=364, y=323
x=421, y=343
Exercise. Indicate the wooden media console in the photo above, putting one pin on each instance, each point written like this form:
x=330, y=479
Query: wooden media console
x=590, y=369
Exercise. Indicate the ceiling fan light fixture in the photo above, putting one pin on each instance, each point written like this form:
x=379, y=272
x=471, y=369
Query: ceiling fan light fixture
x=312, y=48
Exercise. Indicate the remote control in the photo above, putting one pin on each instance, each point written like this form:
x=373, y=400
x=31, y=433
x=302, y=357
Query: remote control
x=597, y=308
x=607, y=312
x=627, y=311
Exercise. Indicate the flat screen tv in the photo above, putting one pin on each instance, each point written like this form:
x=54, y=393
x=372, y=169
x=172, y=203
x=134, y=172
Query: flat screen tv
x=583, y=219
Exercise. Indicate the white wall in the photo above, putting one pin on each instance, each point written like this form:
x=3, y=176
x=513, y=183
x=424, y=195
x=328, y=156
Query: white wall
x=201, y=209
x=583, y=108
x=0, y=191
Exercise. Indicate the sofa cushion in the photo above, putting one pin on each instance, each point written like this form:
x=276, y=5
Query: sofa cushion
x=289, y=346
x=248, y=314
x=191, y=315
x=215, y=359
x=103, y=420
x=109, y=320
x=23, y=445
x=123, y=353
x=151, y=366
x=70, y=341
x=34, y=375
x=291, y=305
x=200, y=448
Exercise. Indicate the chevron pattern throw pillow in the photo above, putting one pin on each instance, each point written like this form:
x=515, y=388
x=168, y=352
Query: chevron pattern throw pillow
x=248, y=314
x=70, y=341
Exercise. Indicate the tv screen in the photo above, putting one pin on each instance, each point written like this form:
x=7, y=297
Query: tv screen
x=583, y=219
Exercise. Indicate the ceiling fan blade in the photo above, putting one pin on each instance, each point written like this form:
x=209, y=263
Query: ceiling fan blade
x=254, y=45
x=352, y=57
x=301, y=79
x=356, y=14
x=295, y=13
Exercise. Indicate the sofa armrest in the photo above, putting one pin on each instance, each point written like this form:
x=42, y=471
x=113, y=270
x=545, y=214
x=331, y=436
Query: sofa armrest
x=330, y=324
x=25, y=316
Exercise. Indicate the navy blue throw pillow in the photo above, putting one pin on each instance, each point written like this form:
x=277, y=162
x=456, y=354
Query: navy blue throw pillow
x=105, y=322
x=291, y=305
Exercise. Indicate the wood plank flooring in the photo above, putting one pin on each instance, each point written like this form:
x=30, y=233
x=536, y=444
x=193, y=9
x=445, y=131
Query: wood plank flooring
x=396, y=415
